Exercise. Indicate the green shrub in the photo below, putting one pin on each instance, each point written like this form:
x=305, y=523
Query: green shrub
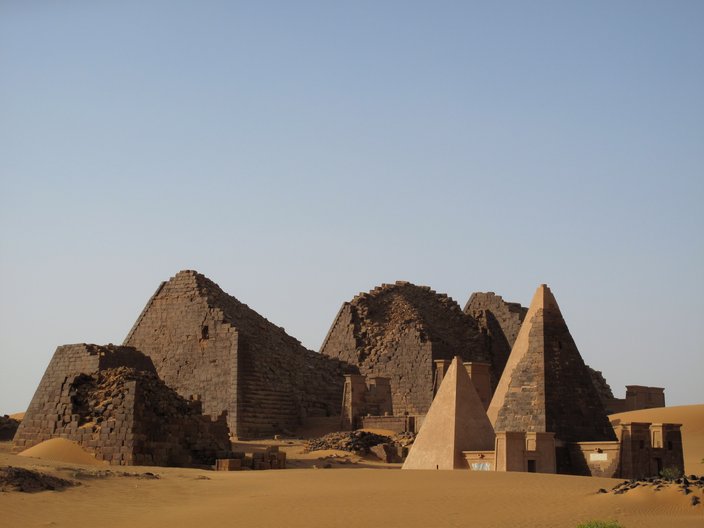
x=600, y=524
x=671, y=473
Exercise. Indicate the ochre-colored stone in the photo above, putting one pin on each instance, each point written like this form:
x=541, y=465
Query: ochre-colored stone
x=456, y=422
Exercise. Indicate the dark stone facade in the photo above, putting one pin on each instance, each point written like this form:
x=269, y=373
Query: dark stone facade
x=500, y=321
x=546, y=386
x=208, y=346
x=396, y=331
x=110, y=401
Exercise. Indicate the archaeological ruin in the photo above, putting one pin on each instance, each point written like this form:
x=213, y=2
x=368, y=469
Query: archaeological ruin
x=109, y=400
x=504, y=385
x=208, y=346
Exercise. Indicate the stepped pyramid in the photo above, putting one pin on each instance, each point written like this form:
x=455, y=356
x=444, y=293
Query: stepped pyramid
x=456, y=422
x=546, y=386
x=210, y=347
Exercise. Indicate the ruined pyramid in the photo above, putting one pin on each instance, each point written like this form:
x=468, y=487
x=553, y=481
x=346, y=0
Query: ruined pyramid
x=210, y=347
x=396, y=331
x=546, y=386
x=456, y=422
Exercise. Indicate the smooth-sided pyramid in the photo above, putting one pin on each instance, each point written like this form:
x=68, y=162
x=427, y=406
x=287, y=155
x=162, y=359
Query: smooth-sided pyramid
x=546, y=386
x=456, y=422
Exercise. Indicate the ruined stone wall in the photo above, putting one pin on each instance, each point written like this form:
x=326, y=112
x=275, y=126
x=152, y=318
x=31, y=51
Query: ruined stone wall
x=47, y=411
x=193, y=349
x=207, y=344
x=123, y=415
x=500, y=321
x=396, y=331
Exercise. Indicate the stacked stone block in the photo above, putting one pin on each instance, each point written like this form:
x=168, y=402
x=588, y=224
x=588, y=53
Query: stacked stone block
x=397, y=331
x=500, y=321
x=125, y=415
x=209, y=346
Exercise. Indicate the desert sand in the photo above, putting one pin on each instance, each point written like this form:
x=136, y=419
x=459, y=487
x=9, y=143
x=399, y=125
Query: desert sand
x=364, y=493
x=62, y=450
x=692, y=419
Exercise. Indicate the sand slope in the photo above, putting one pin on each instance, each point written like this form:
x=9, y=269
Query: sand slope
x=692, y=419
x=62, y=450
x=329, y=498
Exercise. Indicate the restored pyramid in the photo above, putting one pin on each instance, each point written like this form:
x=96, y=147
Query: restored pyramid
x=397, y=331
x=456, y=422
x=546, y=387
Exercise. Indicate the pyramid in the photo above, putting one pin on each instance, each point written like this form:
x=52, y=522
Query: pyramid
x=210, y=347
x=546, y=387
x=456, y=422
x=396, y=331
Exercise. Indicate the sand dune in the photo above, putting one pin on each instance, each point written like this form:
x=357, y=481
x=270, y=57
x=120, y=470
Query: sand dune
x=327, y=498
x=692, y=419
x=314, y=498
x=17, y=416
x=62, y=450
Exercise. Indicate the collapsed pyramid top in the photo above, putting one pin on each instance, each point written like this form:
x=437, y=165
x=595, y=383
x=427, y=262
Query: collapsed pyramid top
x=384, y=314
x=546, y=387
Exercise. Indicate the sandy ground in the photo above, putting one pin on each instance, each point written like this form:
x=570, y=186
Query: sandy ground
x=366, y=493
x=692, y=419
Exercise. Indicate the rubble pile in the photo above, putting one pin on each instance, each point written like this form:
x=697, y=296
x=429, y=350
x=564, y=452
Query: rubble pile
x=359, y=442
x=30, y=481
x=690, y=486
x=385, y=315
x=8, y=427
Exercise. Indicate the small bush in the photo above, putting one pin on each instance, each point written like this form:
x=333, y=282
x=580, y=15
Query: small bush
x=600, y=524
x=671, y=473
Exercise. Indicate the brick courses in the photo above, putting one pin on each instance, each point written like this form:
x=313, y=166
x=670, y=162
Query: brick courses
x=397, y=331
x=123, y=414
x=209, y=346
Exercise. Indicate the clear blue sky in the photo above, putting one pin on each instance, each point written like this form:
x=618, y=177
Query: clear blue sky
x=300, y=152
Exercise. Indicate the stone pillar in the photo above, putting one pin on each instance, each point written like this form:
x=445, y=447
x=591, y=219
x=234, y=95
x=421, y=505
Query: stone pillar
x=480, y=373
x=510, y=451
x=353, y=400
x=441, y=366
x=541, y=448
x=635, y=441
x=379, y=391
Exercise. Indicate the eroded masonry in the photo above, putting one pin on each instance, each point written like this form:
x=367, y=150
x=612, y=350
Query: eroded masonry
x=199, y=368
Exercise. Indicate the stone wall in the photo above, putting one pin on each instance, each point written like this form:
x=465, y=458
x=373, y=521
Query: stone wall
x=396, y=331
x=207, y=345
x=125, y=415
x=500, y=321
x=46, y=411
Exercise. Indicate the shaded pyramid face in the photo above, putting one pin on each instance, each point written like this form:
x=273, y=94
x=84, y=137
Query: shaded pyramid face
x=546, y=386
x=456, y=422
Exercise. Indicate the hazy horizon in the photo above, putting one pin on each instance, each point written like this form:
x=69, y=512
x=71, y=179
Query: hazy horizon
x=298, y=154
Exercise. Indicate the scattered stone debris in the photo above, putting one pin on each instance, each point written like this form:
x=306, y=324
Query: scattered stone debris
x=387, y=449
x=30, y=481
x=404, y=439
x=270, y=458
x=685, y=484
x=358, y=442
x=8, y=427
